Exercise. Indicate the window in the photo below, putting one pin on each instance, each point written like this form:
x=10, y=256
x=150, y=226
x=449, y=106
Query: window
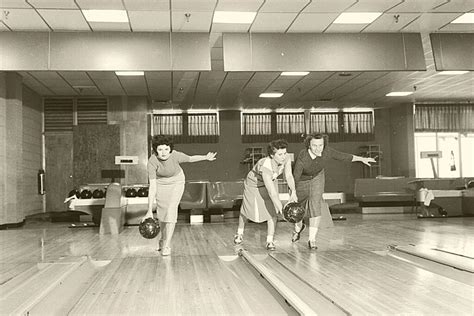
x=187, y=127
x=256, y=127
x=457, y=154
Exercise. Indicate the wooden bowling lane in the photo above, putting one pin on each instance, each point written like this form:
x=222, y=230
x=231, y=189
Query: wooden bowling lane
x=362, y=283
x=180, y=285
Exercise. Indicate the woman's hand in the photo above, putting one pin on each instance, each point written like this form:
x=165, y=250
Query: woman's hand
x=211, y=156
x=147, y=215
x=293, y=197
x=368, y=160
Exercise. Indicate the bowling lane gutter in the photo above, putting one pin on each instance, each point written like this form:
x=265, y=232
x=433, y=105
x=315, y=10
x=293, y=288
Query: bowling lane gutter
x=298, y=304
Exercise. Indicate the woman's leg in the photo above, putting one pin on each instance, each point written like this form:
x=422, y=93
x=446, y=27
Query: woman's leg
x=271, y=226
x=313, y=227
x=238, y=238
x=168, y=234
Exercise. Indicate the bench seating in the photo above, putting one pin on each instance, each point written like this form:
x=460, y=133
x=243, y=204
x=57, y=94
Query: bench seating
x=224, y=194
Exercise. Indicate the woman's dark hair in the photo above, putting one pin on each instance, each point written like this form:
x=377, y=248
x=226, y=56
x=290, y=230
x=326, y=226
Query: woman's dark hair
x=308, y=139
x=274, y=145
x=158, y=140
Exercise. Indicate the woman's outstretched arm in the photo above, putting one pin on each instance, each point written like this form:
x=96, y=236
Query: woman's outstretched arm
x=210, y=157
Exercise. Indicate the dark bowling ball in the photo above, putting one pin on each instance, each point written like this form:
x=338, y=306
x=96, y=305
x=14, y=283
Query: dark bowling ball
x=149, y=228
x=98, y=194
x=74, y=192
x=442, y=212
x=131, y=192
x=293, y=212
x=86, y=194
x=142, y=192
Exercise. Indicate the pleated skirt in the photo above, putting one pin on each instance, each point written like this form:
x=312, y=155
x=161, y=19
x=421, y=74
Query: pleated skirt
x=310, y=194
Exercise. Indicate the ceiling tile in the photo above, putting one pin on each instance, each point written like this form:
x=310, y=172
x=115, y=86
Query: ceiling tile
x=329, y=6
x=104, y=26
x=373, y=5
x=160, y=89
x=147, y=5
x=241, y=5
x=158, y=75
x=25, y=20
x=272, y=22
x=14, y=4
x=109, y=87
x=224, y=27
x=196, y=22
x=414, y=6
x=134, y=85
x=391, y=22
x=280, y=6
x=102, y=75
x=195, y=5
x=65, y=20
x=429, y=22
x=456, y=6
x=345, y=28
x=45, y=75
x=100, y=4
x=53, y=4
x=149, y=21
x=312, y=22
x=458, y=28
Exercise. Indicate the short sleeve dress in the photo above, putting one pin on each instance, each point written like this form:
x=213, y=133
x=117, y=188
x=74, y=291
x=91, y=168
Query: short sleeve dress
x=257, y=205
x=169, y=177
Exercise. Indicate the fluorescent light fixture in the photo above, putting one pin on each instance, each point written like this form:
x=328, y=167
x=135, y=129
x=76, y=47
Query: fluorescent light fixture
x=466, y=18
x=357, y=17
x=129, y=73
x=234, y=17
x=271, y=95
x=294, y=73
x=399, y=93
x=453, y=72
x=106, y=15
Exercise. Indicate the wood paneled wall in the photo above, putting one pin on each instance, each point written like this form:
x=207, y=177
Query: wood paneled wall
x=32, y=151
x=11, y=148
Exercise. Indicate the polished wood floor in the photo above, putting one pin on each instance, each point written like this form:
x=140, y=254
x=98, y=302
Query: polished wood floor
x=51, y=269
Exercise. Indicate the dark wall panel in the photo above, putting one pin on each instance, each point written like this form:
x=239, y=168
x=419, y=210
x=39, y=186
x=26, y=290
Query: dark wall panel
x=323, y=52
x=453, y=51
x=94, y=149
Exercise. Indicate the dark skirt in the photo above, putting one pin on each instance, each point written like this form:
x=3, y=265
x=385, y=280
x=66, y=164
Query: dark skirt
x=310, y=194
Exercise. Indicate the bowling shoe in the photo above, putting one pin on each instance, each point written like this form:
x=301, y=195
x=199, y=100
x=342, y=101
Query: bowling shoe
x=160, y=244
x=312, y=244
x=238, y=239
x=296, y=235
x=166, y=251
x=270, y=245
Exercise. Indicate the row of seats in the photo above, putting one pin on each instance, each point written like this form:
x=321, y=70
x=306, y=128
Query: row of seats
x=212, y=195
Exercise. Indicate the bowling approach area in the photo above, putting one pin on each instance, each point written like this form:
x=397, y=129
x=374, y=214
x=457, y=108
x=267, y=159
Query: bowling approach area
x=368, y=264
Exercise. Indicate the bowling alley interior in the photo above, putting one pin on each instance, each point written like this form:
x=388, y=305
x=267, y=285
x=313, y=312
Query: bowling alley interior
x=86, y=85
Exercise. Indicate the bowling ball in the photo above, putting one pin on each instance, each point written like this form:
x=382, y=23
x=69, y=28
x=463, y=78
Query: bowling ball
x=86, y=194
x=74, y=192
x=142, y=192
x=293, y=212
x=131, y=192
x=98, y=194
x=149, y=228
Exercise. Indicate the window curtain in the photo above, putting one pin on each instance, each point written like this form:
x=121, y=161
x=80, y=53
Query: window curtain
x=444, y=118
x=168, y=124
x=325, y=123
x=358, y=126
x=256, y=127
x=202, y=128
x=290, y=126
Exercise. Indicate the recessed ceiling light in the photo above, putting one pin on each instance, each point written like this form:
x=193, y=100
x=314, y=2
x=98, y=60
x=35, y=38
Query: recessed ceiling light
x=294, y=73
x=344, y=74
x=129, y=73
x=398, y=93
x=234, y=17
x=106, y=15
x=466, y=18
x=271, y=95
x=453, y=72
x=357, y=17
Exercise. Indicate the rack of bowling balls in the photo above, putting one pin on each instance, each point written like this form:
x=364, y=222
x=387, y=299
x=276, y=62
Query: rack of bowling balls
x=100, y=191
